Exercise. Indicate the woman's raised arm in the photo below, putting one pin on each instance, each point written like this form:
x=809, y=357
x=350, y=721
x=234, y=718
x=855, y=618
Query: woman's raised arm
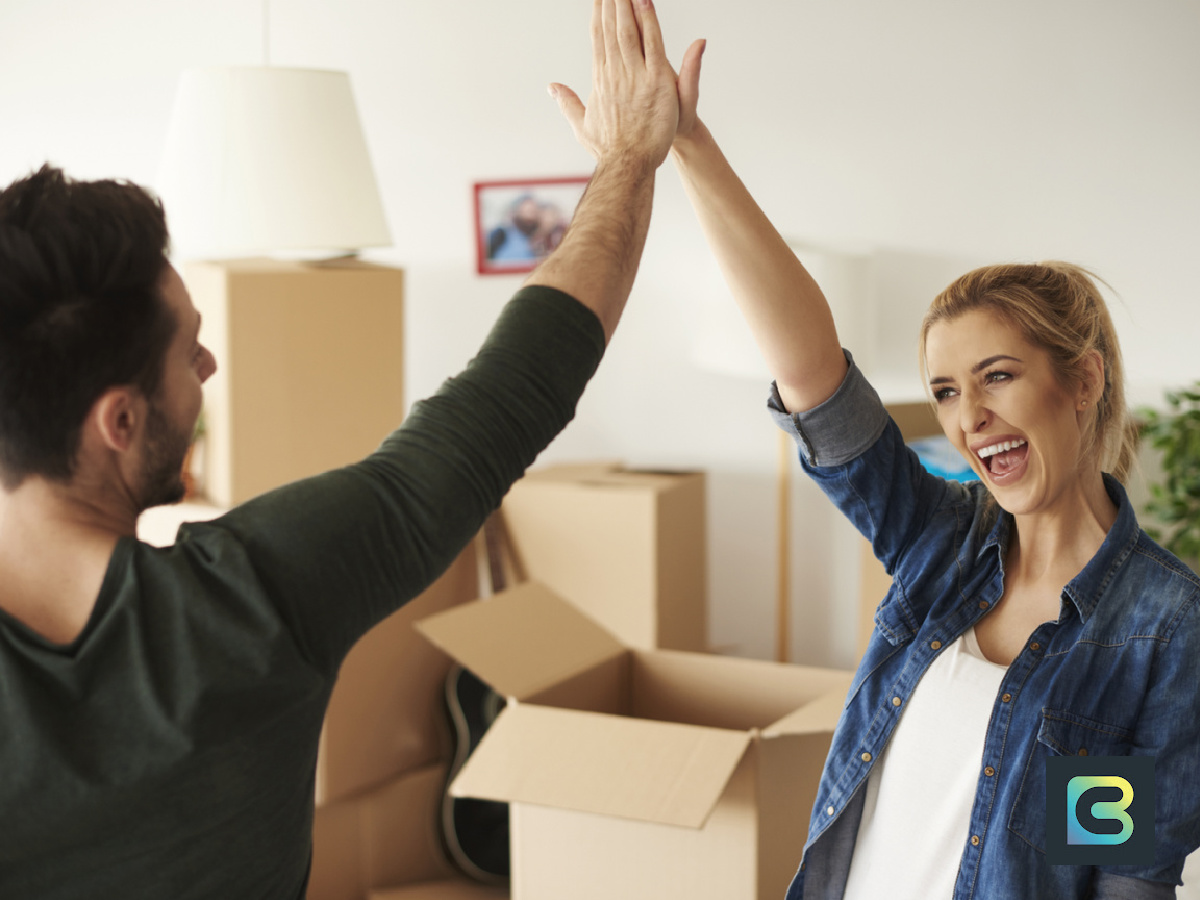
x=783, y=305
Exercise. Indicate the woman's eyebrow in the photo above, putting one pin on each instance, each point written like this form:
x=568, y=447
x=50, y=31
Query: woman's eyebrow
x=978, y=367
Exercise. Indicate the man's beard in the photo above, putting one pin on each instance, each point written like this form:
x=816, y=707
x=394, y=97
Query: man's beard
x=162, y=469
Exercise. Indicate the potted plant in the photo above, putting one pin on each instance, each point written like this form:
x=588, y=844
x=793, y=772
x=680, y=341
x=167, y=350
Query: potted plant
x=1175, y=500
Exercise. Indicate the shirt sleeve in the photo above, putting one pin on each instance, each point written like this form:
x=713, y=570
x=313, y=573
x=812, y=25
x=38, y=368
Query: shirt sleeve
x=1168, y=729
x=1107, y=886
x=855, y=453
x=340, y=551
x=841, y=428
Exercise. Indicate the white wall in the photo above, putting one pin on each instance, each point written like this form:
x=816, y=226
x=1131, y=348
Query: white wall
x=939, y=128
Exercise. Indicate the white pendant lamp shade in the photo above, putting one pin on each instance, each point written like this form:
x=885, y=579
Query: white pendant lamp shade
x=262, y=160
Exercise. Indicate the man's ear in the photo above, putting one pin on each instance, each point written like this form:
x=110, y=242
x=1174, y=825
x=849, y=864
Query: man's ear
x=117, y=417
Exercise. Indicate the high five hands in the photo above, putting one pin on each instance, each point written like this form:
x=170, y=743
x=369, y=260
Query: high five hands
x=638, y=105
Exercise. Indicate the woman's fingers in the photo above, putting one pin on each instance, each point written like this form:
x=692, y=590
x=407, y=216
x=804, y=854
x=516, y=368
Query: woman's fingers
x=689, y=85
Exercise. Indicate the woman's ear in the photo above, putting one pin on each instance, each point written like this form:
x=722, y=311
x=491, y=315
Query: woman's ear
x=1092, y=384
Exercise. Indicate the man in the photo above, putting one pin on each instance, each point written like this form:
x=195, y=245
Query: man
x=160, y=709
x=513, y=242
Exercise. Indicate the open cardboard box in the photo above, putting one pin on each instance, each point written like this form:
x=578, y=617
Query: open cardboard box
x=639, y=773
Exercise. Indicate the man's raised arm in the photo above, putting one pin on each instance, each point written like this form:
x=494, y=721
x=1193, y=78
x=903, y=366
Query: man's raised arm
x=628, y=125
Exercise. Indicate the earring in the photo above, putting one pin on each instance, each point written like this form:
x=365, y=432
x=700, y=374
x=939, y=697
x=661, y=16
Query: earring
x=1082, y=404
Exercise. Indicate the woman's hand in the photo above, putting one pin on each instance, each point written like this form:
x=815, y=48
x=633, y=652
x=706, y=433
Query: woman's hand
x=689, y=91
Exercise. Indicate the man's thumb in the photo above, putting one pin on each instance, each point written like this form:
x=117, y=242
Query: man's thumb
x=569, y=103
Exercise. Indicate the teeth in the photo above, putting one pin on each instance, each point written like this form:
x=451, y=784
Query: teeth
x=999, y=448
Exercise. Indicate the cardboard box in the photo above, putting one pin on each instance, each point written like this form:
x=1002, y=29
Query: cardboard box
x=310, y=368
x=626, y=547
x=383, y=837
x=639, y=773
x=387, y=713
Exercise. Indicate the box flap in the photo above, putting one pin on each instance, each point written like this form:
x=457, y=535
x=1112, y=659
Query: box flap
x=609, y=765
x=820, y=715
x=521, y=640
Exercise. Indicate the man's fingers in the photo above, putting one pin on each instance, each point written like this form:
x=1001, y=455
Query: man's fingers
x=652, y=39
x=629, y=37
x=608, y=16
x=597, y=32
x=570, y=105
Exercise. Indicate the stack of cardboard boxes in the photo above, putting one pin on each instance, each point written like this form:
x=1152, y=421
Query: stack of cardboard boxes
x=382, y=766
x=627, y=546
x=635, y=764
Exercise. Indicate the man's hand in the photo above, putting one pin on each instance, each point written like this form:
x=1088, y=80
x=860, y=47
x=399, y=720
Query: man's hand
x=633, y=111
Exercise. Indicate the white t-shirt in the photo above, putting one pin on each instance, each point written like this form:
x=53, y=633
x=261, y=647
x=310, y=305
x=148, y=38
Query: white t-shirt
x=917, y=809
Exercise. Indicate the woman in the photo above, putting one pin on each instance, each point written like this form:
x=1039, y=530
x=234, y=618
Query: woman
x=1029, y=617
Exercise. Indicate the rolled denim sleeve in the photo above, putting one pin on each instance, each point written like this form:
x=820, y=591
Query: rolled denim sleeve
x=1117, y=887
x=841, y=428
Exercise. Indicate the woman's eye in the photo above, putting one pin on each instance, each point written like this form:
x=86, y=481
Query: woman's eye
x=943, y=393
x=996, y=377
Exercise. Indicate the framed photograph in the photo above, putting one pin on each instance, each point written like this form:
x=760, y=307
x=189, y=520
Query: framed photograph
x=518, y=223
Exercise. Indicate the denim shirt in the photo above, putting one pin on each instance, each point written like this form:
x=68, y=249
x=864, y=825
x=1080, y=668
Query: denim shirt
x=1118, y=673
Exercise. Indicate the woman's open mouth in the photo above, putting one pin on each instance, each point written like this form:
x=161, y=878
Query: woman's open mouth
x=1004, y=460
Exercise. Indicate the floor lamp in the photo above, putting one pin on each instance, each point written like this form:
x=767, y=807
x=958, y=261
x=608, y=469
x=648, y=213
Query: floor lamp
x=265, y=159
x=270, y=193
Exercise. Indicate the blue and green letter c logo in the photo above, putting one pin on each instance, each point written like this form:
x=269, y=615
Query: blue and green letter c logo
x=1099, y=811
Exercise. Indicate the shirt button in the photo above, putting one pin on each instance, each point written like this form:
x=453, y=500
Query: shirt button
x=896, y=701
x=1035, y=646
x=983, y=604
x=936, y=645
x=1083, y=751
x=974, y=840
x=866, y=757
x=989, y=771
x=1005, y=698
x=829, y=811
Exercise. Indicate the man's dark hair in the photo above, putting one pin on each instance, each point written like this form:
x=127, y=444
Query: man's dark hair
x=80, y=311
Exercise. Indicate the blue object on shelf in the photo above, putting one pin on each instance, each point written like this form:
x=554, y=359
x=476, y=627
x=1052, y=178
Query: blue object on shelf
x=939, y=457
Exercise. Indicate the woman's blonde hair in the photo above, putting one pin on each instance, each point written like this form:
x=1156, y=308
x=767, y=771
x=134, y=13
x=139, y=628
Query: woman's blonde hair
x=1058, y=307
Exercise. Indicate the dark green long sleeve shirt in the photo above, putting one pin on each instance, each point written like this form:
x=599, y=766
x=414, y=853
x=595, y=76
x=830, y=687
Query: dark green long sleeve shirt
x=170, y=750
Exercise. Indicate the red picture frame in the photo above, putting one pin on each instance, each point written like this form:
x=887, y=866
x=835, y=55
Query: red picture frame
x=519, y=222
